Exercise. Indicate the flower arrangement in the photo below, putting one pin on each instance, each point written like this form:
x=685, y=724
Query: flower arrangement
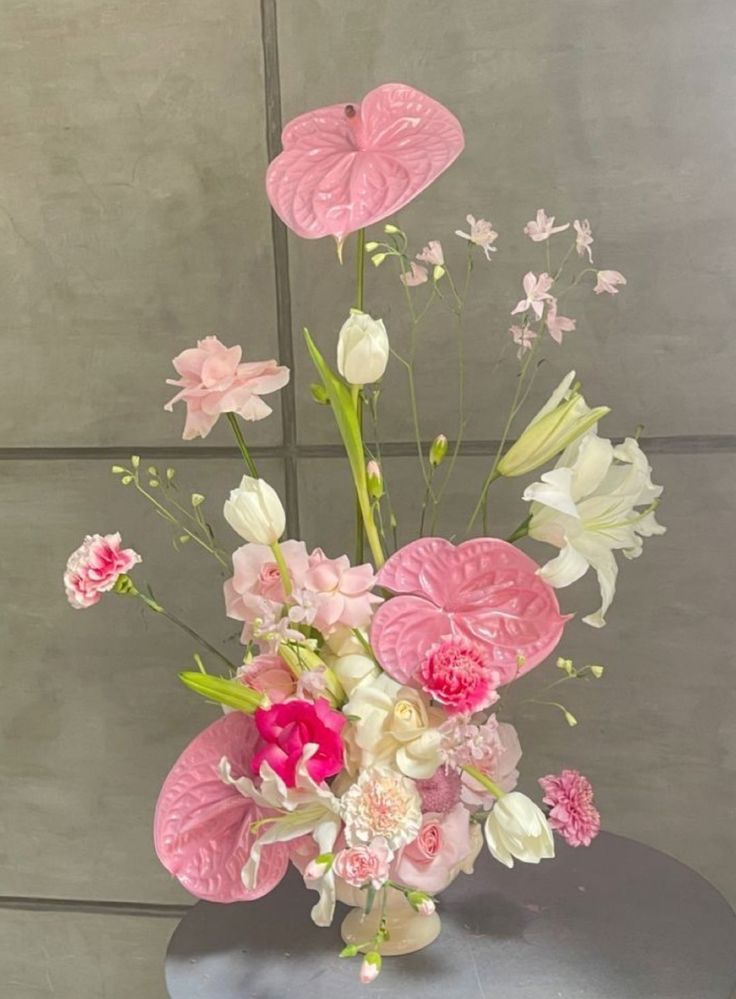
x=361, y=739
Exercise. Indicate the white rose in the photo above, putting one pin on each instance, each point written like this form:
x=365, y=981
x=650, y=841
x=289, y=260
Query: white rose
x=362, y=349
x=254, y=511
x=516, y=827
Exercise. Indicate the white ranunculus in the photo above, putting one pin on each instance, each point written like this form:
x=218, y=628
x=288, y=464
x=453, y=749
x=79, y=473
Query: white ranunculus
x=587, y=507
x=563, y=419
x=254, y=511
x=517, y=828
x=362, y=349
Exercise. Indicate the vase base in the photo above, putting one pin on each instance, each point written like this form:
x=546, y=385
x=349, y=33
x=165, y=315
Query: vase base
x=408, y=930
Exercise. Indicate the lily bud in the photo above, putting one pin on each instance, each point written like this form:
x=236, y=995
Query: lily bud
x=517, y=828
x=438, y=450
x=362, y=349
x=375, y=480
x=563, y=419
x=254, y=511
x=371, y=967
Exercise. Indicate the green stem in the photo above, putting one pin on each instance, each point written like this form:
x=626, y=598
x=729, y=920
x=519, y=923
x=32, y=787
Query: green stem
x=485, y=780
x=357, y=398
x=521, y=531
x=360, y=271
x=283, y=568
x=249, y=463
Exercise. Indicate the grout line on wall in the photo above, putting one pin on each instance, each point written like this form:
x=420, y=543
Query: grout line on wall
x=280, y=243
x=99, y=907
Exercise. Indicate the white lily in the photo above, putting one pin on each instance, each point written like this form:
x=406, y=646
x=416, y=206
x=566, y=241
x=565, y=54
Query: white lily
x=308, y=808
x=587, y=507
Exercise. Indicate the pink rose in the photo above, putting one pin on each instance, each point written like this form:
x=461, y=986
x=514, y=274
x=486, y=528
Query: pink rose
x=428, y=863
x=343, y=592
x=289, y=727
x=270, y=675
x=213, y=381
x=363, y=864
x=458, y=676
x=94, y=568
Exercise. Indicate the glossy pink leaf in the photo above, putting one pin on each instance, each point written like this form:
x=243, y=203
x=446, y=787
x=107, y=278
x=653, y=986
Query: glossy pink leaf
x=202, y=826
x=346, y=166
x=485, y=591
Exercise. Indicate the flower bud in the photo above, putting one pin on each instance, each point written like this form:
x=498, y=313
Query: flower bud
x=362, y=349
x=370, y=247
x=375, y=480
x=391, y=229
x=438, y=450
x=437, y=272
x=371, y=967
x=319, y=394
x=378, y=258
x=517, y=828
x=563, y=419
x=254, y=511
x=423, y=903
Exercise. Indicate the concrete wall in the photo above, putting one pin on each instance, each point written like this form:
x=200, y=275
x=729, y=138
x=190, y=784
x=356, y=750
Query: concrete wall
x=133, y=220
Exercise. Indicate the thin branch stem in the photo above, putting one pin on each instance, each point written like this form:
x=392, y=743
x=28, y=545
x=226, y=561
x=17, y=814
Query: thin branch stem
x=249, y=463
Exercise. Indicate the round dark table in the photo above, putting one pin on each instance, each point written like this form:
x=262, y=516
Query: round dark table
x=618, y=920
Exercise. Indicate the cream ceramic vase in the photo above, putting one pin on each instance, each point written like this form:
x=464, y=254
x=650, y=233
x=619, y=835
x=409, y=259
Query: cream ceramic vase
x=408, y=929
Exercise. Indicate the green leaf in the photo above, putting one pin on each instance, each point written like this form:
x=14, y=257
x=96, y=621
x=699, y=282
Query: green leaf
x=232, y=693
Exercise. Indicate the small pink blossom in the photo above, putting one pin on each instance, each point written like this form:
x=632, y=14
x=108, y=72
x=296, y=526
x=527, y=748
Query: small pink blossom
x=288, y=728
x=524, y=336
x=370, y=969
x=362, y=865
x=537, y=293
x=426, y=907
x=458, y=675
x=270, y=675
x=573, y=813
x=557, y=325
x=607, y=281
x=443, y=842
x=255, y=593
x=213, y=381
x=432, y=254
x=481, y=234
x=343, y=593
x=94, y=568
x=543, y=227
x=417, y=275
x=584, y=238
x=492, y=747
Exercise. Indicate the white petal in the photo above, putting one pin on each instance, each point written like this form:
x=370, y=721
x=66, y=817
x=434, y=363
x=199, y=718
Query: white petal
x=606, y=569
x=555, y=399
x=553, y=491
x=594, y=460
x=567, y=568
x=495, y=843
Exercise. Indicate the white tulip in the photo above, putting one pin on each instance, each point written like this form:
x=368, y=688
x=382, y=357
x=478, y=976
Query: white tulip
x=254, y=511
x=362, y=349
x=516, y=827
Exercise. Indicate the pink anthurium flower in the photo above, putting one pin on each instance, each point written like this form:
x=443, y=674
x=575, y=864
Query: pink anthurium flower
x=346, y=166
x=203, y=826
x=484, y=591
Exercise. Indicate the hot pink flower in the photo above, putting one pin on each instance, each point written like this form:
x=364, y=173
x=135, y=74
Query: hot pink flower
x=417, y=275
x=481, y=234
x=94, y=568
x=443, y=842
x=213, y=381
x=543, y=227
x=347, y=166
x=458, y=676
x=536, y=290
x=270, y=675
x=607, y=281
x=361, y=865
x=343, y=592
x=584, y=238
x=432, y=254
x=485, y=592
x=288, y=727
x=573, y=813
x=557, y=325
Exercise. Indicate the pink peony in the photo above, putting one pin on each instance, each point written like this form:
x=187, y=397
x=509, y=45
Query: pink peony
x=343, y=592
x=270, y=675
x=458, y=676
x=607, y=281
x=360, y=865
x=572, y=813
x=213, y=381
x=428, y=862
x=94, y=568
x=415, y=275
x=288, y=727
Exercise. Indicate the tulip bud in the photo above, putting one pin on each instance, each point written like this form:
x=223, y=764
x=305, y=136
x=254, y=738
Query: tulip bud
x=371, y=967
x=563, y=419
x=254, y=511
x=438, y=450
x=362, y=349
x=517, y=828
x=375, y=480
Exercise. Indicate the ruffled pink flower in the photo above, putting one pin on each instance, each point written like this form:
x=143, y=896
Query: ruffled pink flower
x=557, y=325
x=432, y=254
x=573, y=813
x=492, y=748
x=361, y=865
x=287, y=728
x=536, y=290
x=584, y=238
x=255, y=593
x=607, y=281
x=416, y=275
x=213, y=381
x=481, y=234
x=441, y=791
x=543, y=227
x=458, y=676
x=94, y=568
x=270, y=675
x=343, y=593
x=428, y=863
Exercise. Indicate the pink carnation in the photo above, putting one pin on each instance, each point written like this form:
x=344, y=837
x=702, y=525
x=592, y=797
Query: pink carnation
x=213, y=381
x=360, y=865
x=270, y=675
x=343, y=592
x=458, y=676
x=443, y=842
x=288, y=728
x=95, y=567
x=572, y=813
